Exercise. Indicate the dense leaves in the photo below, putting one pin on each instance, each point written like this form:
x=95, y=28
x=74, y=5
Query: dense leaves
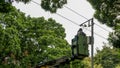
x=85, y=63
x=106, y=11
x=52, y=5
x=5, y=6
x=26, y=41
x=49, y=5
x=114, y=38
x=108, y=57
x=25, y=1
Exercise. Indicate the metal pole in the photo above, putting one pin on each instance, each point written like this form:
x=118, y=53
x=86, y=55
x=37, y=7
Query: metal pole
x=92, y=40
x=92, y=43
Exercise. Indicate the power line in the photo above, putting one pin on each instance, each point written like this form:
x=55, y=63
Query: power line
x=96, y=34
x=79, y=25
x=35, y=2
x=102, y=27
x=85, y=18
x=100, y=36
x=76, y=12
x=72, y=21
x=67, y=19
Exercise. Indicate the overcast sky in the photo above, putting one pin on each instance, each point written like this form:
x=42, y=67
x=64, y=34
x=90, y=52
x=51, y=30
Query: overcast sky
x=80, y=6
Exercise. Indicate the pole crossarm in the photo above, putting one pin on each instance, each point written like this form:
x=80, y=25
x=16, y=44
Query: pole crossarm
x=86, y=21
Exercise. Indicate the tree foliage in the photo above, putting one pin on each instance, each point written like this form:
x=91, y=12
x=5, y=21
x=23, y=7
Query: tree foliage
x=106, y=11
x=49, y=5
x=114, y=38
x=52, y=5
x=5, y=7
x=27, y=41
x=85, y=63
x=24, y=1
x=107, y=57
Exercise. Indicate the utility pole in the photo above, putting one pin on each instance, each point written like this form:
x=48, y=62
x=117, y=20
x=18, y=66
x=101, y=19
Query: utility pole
x=92, y=43
x=92, y=39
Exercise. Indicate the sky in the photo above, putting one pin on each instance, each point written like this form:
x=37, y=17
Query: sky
x=80, y=6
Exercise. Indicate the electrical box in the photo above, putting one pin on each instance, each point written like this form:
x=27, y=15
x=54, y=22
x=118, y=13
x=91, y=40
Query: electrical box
x=74, y=46
x=80, y=45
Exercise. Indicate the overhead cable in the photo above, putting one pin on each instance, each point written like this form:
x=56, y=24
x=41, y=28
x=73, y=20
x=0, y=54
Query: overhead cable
x=35, y=2
x=76, y=12
x=72, y=21
x=102, y=27
x=78, y=25
x=85, y=17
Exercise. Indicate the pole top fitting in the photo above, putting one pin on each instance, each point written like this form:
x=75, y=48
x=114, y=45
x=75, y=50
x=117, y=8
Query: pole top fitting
x=80, y=30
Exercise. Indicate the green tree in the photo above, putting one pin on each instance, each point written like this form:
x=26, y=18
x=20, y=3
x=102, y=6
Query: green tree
x=107, y=57
x=114, y=38
x=5, y=7
x=118, y=66
x=27, y=41
x=77, y=64
x=108, y=12
x=48, y=5
x=52, y=5
x=85, y=63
